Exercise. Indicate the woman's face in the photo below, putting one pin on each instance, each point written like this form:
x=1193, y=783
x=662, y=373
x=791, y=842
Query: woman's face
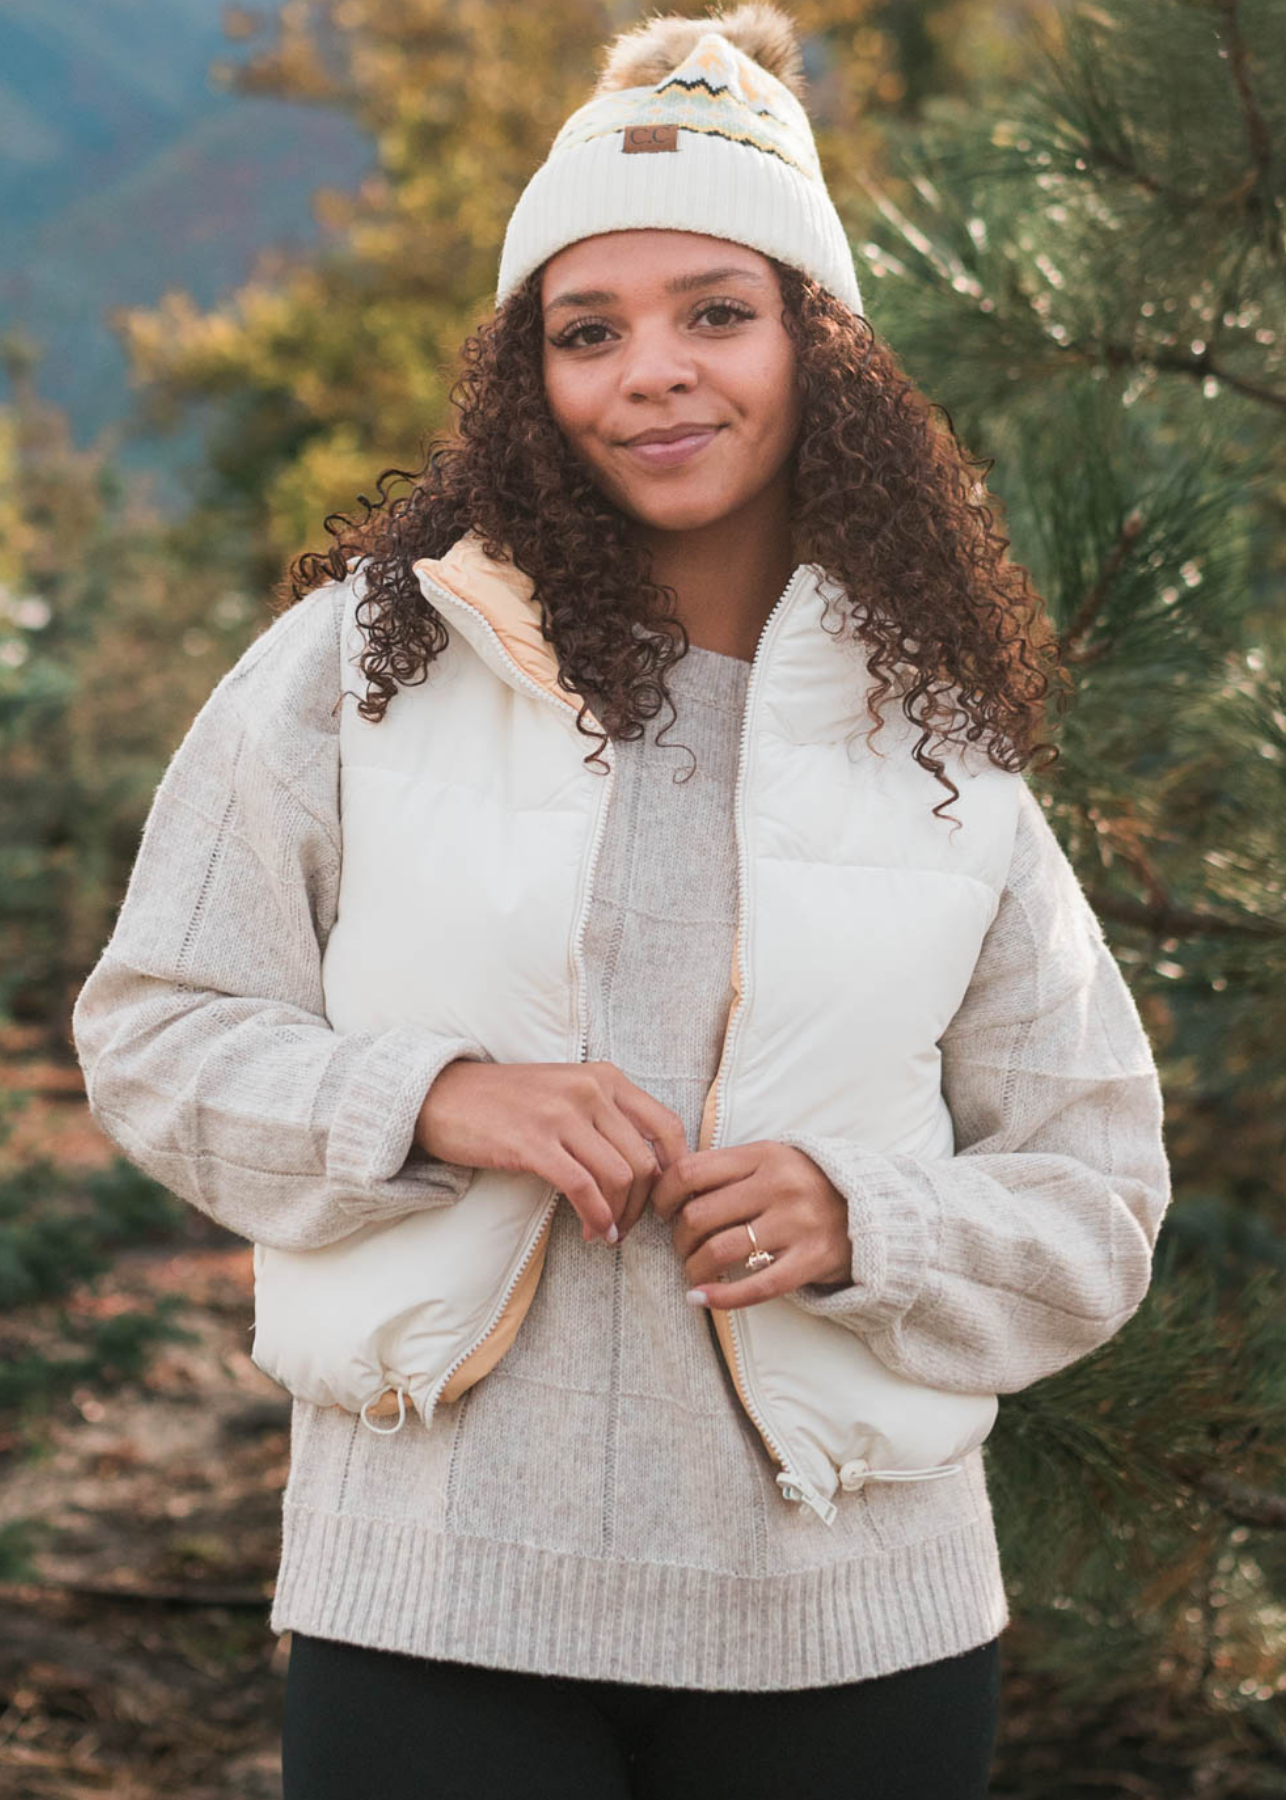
x=647, y=330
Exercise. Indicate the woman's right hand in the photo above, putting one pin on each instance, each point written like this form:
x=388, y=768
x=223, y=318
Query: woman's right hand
x=583, y=1126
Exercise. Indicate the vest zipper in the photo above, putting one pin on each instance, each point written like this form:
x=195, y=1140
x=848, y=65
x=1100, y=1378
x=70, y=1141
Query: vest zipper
x=530, y=1250
x=742, y=860
x=582, y=1009
x=792, y=1484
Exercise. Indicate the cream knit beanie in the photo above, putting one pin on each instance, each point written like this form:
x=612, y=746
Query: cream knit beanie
x=694, y=125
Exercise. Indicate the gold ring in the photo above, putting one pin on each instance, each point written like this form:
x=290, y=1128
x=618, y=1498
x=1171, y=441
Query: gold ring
x=758, y=1259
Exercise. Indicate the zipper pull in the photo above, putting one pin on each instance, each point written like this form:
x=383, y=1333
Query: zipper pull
x=796, y=1489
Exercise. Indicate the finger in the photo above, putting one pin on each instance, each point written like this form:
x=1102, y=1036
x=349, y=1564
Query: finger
x=726, y=1251
x=700, y=1217
x=640, y=1194
x=639, y=1156
x=695, y=1172
x=778, y=1278
x=572, y=1167
x=663, y=1130
x=614, y=1169
x=661, y=1124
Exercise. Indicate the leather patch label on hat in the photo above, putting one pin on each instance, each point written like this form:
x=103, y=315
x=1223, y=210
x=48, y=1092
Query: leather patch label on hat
x=651, y=137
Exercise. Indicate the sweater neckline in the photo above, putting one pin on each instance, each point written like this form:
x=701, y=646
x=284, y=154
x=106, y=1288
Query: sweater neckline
x=719, y=655
x=709, y=678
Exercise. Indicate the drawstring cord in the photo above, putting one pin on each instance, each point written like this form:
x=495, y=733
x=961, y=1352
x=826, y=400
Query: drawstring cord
x=385, y=1430
x=853, y=1475
x=856, y=1473
x=911, y=1474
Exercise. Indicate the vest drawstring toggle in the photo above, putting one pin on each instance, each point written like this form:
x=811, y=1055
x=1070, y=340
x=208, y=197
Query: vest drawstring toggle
x=385, y=1430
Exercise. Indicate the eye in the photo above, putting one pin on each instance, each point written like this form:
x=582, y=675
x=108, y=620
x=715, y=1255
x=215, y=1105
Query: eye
x=734, y=310
x=732, y=307
x=566, y=340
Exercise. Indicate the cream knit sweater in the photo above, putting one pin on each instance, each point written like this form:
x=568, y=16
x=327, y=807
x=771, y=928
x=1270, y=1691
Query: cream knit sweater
x=599, y=1504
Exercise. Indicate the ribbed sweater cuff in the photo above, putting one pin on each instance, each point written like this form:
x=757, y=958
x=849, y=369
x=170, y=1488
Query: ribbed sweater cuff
x=893, y=1217
x=371, y=1153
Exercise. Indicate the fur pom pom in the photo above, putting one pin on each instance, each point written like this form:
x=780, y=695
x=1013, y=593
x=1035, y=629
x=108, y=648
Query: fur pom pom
x=648, y=52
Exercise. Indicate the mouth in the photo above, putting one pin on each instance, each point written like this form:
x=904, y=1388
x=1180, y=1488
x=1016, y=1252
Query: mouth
x=665, y=454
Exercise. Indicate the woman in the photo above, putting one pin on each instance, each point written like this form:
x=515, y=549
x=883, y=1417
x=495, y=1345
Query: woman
x=496, y=1048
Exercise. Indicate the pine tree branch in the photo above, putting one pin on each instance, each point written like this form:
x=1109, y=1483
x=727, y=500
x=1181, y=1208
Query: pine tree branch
x=1235, y=1499
x=1178, y=921
x=1071, y=644
x=1257, y=133
x=1199, y=366
x=1253, y=189
x=1178, y=362
x=1108, y=157
x=1230, y=298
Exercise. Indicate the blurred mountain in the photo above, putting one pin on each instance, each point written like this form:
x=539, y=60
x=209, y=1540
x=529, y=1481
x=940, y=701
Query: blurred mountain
x=126, y=170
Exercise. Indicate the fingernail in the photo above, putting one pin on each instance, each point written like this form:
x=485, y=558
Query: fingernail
x=695, y=1297
x=612, y=1234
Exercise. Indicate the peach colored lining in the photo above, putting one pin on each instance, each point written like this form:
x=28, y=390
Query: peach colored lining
x=481, y=1361
x=503, y=595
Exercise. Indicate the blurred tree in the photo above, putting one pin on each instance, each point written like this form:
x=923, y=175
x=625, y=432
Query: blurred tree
x=111, y=635
x=1087, y=268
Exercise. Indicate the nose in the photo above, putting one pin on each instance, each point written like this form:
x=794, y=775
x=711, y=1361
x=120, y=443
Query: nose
x=656, y=362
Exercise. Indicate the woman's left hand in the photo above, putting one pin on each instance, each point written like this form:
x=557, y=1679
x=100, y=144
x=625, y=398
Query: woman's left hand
x=706, y=1196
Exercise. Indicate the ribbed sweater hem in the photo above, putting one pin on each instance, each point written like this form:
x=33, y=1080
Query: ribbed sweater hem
x=397, y=1586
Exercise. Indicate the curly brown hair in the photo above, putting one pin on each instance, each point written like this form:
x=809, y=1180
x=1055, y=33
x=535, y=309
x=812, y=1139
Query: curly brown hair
x=883, y=502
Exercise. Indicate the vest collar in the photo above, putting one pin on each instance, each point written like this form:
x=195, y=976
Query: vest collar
x=493, y=605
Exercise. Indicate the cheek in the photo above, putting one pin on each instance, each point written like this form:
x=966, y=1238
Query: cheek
x=572, y=403
x=770, y=397
x=558, y=400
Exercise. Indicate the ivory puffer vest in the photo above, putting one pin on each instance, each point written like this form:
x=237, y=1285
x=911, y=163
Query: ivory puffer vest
x=471, y=830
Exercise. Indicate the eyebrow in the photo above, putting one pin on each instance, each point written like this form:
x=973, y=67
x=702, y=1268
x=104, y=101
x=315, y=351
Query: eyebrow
x=682, y=284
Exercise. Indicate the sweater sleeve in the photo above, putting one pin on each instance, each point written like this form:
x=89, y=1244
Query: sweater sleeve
x=201, y=1031
x=1032, y=1245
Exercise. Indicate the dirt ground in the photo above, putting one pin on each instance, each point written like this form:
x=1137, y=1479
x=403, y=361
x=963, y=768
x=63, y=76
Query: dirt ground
x=141, y=1663
x=137, y=1661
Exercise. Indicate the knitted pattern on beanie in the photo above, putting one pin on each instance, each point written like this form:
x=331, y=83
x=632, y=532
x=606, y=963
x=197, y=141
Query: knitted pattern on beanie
x=694, y=125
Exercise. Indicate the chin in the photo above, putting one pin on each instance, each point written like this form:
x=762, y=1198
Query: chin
x=675, y=513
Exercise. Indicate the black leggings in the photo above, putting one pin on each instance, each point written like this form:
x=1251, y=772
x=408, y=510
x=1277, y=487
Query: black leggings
x=362, y=1723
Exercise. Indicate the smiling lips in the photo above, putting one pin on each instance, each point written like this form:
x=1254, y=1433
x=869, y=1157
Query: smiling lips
x=664, y=451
